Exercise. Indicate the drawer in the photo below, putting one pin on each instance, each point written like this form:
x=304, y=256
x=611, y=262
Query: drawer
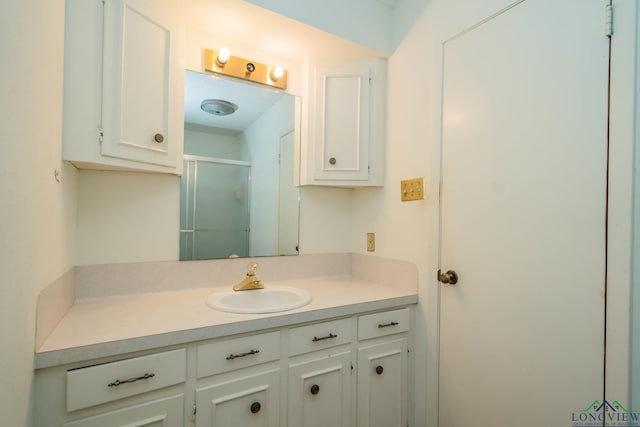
x=319, y=336
x=228, y=355
x=381, y=324
x=103, y=383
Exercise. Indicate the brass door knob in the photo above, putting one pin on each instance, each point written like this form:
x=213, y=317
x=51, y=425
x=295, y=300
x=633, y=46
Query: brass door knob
x=448, y=278
x=158, y=138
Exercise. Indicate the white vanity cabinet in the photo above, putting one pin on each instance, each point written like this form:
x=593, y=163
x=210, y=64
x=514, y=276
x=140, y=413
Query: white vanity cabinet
x=251, y=400
x=346, y=124
x=342, y=372
x=241, y=385
x=382, y=369
x=123, y=85
x=320, y=384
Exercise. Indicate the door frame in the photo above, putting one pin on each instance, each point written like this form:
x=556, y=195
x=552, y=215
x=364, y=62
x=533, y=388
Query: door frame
x=622, y=138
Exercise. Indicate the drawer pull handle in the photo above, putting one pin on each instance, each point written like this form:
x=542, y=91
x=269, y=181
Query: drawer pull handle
x=249, y=353
x=386, y=325
x=316, y=339
x=255, y=407
x=379, y=370
x=116, y=383
x=315, y=389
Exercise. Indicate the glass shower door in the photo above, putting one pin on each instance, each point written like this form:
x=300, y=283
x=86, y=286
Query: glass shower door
x=215, y=210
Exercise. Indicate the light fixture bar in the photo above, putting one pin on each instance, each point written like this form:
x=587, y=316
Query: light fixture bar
x=244, y=69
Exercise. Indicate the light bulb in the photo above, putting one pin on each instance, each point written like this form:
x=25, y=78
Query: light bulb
x=223, y=55
x=276, y=73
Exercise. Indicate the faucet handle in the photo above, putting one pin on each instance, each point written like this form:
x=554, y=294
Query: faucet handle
x=252, y=269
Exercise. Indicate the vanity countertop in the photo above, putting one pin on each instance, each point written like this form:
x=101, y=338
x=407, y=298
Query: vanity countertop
x=101, y=327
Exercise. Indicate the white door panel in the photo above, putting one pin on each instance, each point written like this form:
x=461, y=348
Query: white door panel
x=523, y=216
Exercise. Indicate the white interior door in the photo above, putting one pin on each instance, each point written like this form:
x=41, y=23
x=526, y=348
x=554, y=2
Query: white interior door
x=523, y=198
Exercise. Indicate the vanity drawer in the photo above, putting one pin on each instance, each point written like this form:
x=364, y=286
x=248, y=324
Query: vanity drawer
x=381, y=324
x=319, y=336
x=227, y=355
x=103, y=383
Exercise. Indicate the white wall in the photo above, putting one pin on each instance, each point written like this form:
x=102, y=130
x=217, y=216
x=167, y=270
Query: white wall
x=37, y=215
x=127, y=217
x=210, y=143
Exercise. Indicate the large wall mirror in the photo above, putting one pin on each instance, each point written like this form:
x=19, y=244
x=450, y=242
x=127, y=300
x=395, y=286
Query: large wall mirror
x=237, y=196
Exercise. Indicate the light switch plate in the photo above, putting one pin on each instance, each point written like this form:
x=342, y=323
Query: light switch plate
x=412, y=189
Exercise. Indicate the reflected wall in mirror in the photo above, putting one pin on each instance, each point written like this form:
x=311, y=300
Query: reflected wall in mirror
x=237, y=196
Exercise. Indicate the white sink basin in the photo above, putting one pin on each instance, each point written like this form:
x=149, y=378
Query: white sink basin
x=271, y=299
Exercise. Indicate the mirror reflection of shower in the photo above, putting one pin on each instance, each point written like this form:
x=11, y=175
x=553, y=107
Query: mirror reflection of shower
x=238, y=197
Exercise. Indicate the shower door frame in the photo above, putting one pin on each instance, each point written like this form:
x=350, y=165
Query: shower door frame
x=216, y=160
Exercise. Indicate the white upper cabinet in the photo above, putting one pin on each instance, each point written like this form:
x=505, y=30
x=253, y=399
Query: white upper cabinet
x=343, y=123
x=129, y=74
x=140, y=84
x=346, y=129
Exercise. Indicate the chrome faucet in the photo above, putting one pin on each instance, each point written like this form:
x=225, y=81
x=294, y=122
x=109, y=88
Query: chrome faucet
x=251, y=281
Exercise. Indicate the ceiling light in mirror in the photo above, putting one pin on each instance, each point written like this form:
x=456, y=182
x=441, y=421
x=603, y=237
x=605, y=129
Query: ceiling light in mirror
x=218, y=107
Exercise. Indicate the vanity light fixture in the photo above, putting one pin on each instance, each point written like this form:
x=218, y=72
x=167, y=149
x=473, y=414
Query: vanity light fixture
x=223, y=63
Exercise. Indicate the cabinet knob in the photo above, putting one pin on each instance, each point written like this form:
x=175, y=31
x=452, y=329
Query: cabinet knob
x=158, y=138
x=332, y=161
x=315, y=389
x=255, y=407
x=379, y=370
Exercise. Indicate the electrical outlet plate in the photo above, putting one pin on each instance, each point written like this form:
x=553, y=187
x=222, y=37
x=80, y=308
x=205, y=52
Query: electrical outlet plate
x=371, y=242
x=412, y=189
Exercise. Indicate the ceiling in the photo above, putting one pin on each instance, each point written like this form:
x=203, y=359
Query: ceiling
x=252, y=100
x=267, y=30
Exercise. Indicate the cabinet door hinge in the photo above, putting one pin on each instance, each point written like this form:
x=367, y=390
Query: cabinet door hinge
x=100, y=135
x=608, y=31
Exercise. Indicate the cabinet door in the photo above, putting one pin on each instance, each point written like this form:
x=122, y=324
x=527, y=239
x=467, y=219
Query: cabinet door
x=320, y=392
x=342, y=122
x=166, y=412
x=382, y=385
x=249, y=401
x=141, y=81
